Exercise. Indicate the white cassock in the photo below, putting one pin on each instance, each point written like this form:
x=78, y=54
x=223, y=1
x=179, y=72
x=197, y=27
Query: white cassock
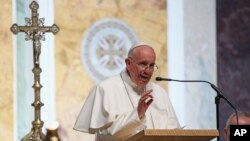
x=110, y=110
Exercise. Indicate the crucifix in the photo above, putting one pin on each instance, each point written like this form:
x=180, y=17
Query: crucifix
x=35, y=30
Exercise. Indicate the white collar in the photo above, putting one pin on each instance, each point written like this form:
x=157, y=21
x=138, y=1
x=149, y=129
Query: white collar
x=127, y=79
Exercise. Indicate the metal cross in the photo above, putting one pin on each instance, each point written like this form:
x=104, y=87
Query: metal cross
x=35, y=31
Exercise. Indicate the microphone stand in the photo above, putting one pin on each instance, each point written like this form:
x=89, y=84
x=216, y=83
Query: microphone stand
x=217, y=102
x=217, y=98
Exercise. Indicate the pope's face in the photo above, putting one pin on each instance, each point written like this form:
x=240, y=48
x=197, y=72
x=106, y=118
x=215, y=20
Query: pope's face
x=140, y=65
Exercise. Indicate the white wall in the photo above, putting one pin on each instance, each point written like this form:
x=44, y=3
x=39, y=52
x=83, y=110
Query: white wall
x=192, y=56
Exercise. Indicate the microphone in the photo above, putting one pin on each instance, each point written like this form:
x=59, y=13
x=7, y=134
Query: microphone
x=168, y=79
x=219, y=94
x=212, y=85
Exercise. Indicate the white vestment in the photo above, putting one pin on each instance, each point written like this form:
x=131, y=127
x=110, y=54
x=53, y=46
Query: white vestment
x=110, y=110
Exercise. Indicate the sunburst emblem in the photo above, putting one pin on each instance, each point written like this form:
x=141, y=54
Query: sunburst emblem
x=105, y=46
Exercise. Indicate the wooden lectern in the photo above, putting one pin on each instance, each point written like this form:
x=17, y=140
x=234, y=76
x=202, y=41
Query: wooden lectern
x=174, y=135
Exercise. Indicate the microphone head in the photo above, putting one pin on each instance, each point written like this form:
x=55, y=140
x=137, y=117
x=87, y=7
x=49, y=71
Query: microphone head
x=163, y=79
x=158, y=79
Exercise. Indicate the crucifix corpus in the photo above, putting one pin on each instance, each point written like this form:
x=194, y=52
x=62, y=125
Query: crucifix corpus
x=35, y=30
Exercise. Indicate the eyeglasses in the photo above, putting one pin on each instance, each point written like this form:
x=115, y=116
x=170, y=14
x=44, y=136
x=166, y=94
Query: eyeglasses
x=145, y=65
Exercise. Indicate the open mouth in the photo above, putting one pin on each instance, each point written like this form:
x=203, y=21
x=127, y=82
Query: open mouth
x=144, y=78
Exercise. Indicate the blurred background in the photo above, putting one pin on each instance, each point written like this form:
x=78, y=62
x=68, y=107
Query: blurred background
x=193, y=40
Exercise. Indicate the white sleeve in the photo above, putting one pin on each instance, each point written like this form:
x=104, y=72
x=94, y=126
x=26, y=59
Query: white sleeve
x=124, y=126
x=95, y=118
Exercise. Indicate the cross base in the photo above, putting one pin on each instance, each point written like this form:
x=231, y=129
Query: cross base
x=34, y=136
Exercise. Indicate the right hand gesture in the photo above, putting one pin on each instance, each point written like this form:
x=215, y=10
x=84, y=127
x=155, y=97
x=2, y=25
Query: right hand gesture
x=144, y=102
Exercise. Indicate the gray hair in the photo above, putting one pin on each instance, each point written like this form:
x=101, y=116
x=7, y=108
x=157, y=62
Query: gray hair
x=130, y=52
x=239, y=114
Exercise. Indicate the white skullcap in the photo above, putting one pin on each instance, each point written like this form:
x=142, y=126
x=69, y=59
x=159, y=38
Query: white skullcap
x=138, y=45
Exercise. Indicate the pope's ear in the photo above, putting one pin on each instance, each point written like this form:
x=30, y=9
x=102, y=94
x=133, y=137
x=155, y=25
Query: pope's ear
x=127, y=61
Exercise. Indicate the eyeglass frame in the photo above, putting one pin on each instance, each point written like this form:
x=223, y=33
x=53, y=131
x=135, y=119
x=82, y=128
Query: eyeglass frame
x=143, y=65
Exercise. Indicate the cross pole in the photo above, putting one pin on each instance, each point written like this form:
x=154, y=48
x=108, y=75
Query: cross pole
x=35, y=30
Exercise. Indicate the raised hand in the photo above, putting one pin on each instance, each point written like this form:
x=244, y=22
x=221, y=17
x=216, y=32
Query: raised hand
x=144, y=102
